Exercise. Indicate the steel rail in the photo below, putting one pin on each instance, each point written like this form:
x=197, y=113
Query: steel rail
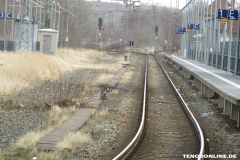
x=125, y=153
x=190, y=115
x=135, y=140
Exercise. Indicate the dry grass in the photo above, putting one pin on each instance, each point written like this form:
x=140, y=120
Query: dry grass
x=74, y=140
x=103, y=79
x=24, y=69
x=2, y=156
x=126, y=77
x=31, y=138
x=102, y=115
x=76, y=56
x=18, y=70
x=40, y=155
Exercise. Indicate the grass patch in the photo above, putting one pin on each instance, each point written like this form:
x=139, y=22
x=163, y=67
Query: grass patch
x=102, y=115
x=126, y=77
x=74, y=140
x=103, y=79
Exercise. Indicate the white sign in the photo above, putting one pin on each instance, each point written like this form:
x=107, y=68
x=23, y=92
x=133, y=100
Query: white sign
x=99, y=34
x=120, y=39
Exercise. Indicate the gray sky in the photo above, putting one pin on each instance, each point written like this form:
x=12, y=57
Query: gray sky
x=182, y=3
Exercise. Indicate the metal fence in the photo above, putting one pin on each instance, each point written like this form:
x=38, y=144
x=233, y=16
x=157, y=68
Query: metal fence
x=25, y=17
x=214, y=43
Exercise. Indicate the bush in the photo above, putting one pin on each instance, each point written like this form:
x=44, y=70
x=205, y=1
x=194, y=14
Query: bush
x=116, y=45
x=106, y=48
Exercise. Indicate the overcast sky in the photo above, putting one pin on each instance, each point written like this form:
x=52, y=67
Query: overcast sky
x=182, y=3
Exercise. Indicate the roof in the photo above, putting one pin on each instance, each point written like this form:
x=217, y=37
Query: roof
x=47, y=30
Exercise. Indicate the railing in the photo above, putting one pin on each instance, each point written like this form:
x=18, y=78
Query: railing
x=232, y=65
x=210, y=58
x=225, y=61
x=217, y=59
x=214, y=59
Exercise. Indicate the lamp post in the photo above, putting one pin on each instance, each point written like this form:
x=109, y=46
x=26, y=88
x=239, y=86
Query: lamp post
x=58, y=4
x=4, y=32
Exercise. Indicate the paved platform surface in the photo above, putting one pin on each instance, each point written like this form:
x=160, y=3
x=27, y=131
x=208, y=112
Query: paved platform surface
x=223, y=83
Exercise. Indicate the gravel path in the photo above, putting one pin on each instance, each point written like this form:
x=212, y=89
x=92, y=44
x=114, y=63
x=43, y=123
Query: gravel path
x=220, y=132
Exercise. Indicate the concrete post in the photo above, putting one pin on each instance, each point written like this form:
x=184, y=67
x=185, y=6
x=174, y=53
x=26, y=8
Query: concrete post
x=227, y=107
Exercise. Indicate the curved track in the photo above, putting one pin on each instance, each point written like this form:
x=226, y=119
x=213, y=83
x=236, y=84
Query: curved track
x=169, y=128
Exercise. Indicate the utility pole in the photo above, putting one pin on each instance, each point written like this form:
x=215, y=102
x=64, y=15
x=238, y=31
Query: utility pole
x=103, y=15
x=78, y=24
x=12, y=20
x=48, y=14
x=138, y=26
x=230, y=42
x=81, y=39
x=40, y=17
x=55, y=15
x=112, y=28
x=151, y=37
x=169, y=44
x=65, y=23
x=24, y=27
x=100, y=23
x=126, y=30
x=177, y=4
x=96, y=24
x=5, y=23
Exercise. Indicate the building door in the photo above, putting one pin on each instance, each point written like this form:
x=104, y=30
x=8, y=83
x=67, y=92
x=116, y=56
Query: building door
x=47, y=44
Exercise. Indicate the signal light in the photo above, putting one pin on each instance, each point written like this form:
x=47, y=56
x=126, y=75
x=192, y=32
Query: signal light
x=156, y=30
x=100, y=21
x=131, y=43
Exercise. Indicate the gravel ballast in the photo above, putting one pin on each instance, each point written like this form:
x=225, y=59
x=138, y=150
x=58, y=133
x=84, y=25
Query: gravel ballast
x=221, y=133
x=14, y=124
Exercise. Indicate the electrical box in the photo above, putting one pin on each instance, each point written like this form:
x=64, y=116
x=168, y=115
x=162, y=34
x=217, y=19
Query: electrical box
x=48, y=39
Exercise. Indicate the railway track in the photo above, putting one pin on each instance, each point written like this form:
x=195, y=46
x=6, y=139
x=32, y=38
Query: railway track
x=168, y=129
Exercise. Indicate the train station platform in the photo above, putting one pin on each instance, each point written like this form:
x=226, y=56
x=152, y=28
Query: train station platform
x=221, y=86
